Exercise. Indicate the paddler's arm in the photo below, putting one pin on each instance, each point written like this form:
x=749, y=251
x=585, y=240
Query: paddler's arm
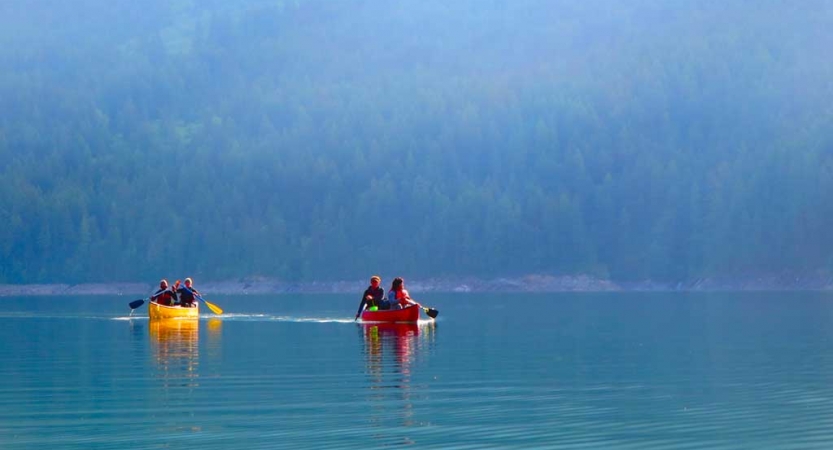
x=409, y=300
x=362, y=304
x=361, y=308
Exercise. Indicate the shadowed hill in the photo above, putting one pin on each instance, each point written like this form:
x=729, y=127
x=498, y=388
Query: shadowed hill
x=326, y=140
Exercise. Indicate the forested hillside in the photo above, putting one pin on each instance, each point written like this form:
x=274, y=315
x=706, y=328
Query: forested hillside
x=320, y=139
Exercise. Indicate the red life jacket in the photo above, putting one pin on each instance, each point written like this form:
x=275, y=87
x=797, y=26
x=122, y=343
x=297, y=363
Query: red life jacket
x=401, y=295
x=165, y=298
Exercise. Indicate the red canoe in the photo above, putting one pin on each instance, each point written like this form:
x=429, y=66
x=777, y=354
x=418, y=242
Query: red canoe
x=410, y=314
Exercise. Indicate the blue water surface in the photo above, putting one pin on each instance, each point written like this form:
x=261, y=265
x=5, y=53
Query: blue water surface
x=621, y=370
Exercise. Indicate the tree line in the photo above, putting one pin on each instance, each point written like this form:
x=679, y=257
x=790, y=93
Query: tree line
x=330, y=140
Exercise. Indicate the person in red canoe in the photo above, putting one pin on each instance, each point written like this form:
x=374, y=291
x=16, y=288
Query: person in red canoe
x=398, y=296
x=374, y=296
x=164, y=296
x=187, y=294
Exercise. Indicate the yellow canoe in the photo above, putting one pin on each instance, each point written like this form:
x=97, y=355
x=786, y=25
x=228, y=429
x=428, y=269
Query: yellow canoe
x=157, y=311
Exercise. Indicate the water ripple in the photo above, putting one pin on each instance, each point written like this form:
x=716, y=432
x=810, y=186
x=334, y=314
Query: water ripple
x=269, y=378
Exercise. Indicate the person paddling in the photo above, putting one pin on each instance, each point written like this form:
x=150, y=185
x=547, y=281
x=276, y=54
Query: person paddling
x=398, y=296
x=187, y=294
x=374, y=296
x=175, y=290
x=163, y=296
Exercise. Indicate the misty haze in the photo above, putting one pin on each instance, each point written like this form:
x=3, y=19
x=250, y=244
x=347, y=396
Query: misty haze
x=463, y=224
x=319, y=140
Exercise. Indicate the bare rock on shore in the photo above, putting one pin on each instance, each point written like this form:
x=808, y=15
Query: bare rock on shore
x=7, y=290
x=528, y=283
x=20, y=290
x=110, y=289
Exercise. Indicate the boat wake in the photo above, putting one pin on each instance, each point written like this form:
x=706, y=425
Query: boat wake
x=231, y=317
x=276, y=318
x=241, y=317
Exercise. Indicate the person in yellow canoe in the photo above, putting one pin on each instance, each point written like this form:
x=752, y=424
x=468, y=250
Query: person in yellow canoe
x=164, y=296
x=374, y=296
x=187, y=293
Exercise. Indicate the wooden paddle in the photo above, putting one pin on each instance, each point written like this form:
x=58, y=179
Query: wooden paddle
x=432, y=313
x=214, y=308
x=136, y=303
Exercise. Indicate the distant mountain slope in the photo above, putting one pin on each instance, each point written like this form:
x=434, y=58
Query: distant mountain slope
x=327, y=140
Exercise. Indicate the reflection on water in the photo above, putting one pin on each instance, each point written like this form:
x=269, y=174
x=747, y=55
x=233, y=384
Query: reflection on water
x=175, y=345
x=393, y=352
x=626, y=371
x=215, y=336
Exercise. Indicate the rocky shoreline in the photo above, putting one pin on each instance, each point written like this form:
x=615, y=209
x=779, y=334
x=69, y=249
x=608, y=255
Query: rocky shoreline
x=820, y=281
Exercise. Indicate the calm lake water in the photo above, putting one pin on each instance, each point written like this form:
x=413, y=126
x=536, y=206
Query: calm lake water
x=626, y=371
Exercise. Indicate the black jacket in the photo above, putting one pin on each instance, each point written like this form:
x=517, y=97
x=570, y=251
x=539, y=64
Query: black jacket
x=377, y=295
x=187, y=295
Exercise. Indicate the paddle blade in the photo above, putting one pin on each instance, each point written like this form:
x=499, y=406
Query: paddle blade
x=136, y=303
x=214, y=308
x=432, y=313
